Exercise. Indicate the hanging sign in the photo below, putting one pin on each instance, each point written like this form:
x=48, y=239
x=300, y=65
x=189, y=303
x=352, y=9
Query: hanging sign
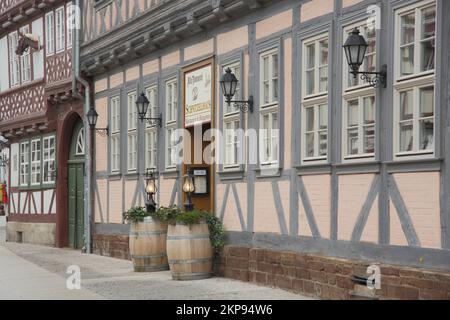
x=198, y=96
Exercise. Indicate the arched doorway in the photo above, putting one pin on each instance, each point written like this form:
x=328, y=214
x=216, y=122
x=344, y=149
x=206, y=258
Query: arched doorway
x=75, y=187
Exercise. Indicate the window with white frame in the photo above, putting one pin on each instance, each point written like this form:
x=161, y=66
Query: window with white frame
x=414, y=95
x=35, y=162
x=232, y=124
x=151, y=137
x=115, y=134
x=171, y=100
x=315, y=132
x=50, y=33
x=359, y=126
x=315, y=64
x=269, y=95
x=314, y=104
x=14, y=59
x=60, y=29
x=48, y=159
x=132, y=132
x=70, y=15
x=171, y=142
x=25, y=61
x=24, y=162
x=358, y=107
x=79, y=147
x=171, y=122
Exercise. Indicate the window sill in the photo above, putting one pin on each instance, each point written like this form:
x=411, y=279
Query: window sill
x=170, y=174
x=414, y=165
x=264, y=172
x=312, y=169
x=231, y=174
x=115, y=176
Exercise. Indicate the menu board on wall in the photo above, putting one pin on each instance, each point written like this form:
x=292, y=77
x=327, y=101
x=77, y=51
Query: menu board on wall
x=198, y=96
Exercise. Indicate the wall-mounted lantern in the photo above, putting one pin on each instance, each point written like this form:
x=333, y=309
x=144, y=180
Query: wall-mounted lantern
x=229, y=84
x=142, y=105
x=92, y=117
x=188, y=188
x=355, y=49
x=150, y=190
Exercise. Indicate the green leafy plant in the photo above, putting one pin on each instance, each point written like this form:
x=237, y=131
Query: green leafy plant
x=166, y=214
x=135, y=214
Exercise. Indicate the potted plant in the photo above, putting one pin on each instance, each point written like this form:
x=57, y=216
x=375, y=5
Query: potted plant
x=193, y=238
x=147, y=241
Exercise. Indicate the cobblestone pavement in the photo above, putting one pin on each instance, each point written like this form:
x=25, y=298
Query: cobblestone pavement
x=39, y=272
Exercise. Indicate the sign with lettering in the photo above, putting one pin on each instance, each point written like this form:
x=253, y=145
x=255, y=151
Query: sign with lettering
x=198, y=96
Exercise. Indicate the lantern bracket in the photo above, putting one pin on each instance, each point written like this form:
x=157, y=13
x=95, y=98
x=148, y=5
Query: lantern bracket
x=243, y=105
x=152, y=121
x=376, y=79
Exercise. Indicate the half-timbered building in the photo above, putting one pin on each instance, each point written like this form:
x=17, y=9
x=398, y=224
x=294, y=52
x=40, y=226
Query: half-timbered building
x=41, y=117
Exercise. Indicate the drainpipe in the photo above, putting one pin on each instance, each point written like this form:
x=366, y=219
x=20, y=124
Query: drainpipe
x=88, y=134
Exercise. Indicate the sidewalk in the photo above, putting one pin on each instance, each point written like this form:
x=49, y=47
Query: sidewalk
x=37, y=272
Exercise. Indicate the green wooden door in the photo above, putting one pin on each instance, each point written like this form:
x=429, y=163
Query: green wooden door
x=76, y=205
x=76, y=188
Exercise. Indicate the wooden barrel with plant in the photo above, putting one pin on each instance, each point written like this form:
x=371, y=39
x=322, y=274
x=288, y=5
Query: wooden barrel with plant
x=189, y=251
x=147, y=241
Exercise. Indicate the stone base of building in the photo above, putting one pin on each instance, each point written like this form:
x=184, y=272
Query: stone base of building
x=111, y=240
x=28, y=232
x=328, y=278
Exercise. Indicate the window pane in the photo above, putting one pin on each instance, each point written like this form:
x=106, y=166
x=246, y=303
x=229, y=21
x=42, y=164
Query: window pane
x=323, y=74
x=323, y=52
x=369, y=139
x=428, y=22
x=427, y=102
x=406, y=105
x=274, y=137
x=407, y=28
x=427, y=55
x=407, y=60
x=352, y=114
x=323, y=143
x=323, y=117
x=310, y=144
x=310, y=81
x=426, y=134
x=369, y=110
x=352, y=142
x=406, y=136
x=310, y=56
x=309, y=119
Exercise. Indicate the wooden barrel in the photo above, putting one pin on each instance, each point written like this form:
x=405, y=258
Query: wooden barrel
x=148, y=245
x=189, y=251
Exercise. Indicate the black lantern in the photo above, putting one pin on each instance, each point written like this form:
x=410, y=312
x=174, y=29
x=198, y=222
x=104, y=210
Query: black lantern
x=355, y=49
x=188, y=188
x=151, y=189
x=92, y=117
x=229, y=84
x=142, y=105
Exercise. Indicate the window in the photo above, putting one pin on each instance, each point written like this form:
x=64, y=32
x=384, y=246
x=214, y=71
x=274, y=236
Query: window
x=132, y=132
x=414, y=98
x=24, y=163
x=50, y=33
x=359, y=126
x=14, y=59
x=171, y=123
x=171, y=100
x=269, y=127
x=314, y=110
x=70, y=24
x=369, y=63
x=232, y=124
x=171, y=142
x=115, y=134
x=315, y=134
x=49, y=159
x=269, y=136
x=315, y=66
x=25, y=62
x=79, y=148
x=358, y=107
x=417, y=40
x=151, y=137
x=60, y=29
x=35, y=162
x=269, y=77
